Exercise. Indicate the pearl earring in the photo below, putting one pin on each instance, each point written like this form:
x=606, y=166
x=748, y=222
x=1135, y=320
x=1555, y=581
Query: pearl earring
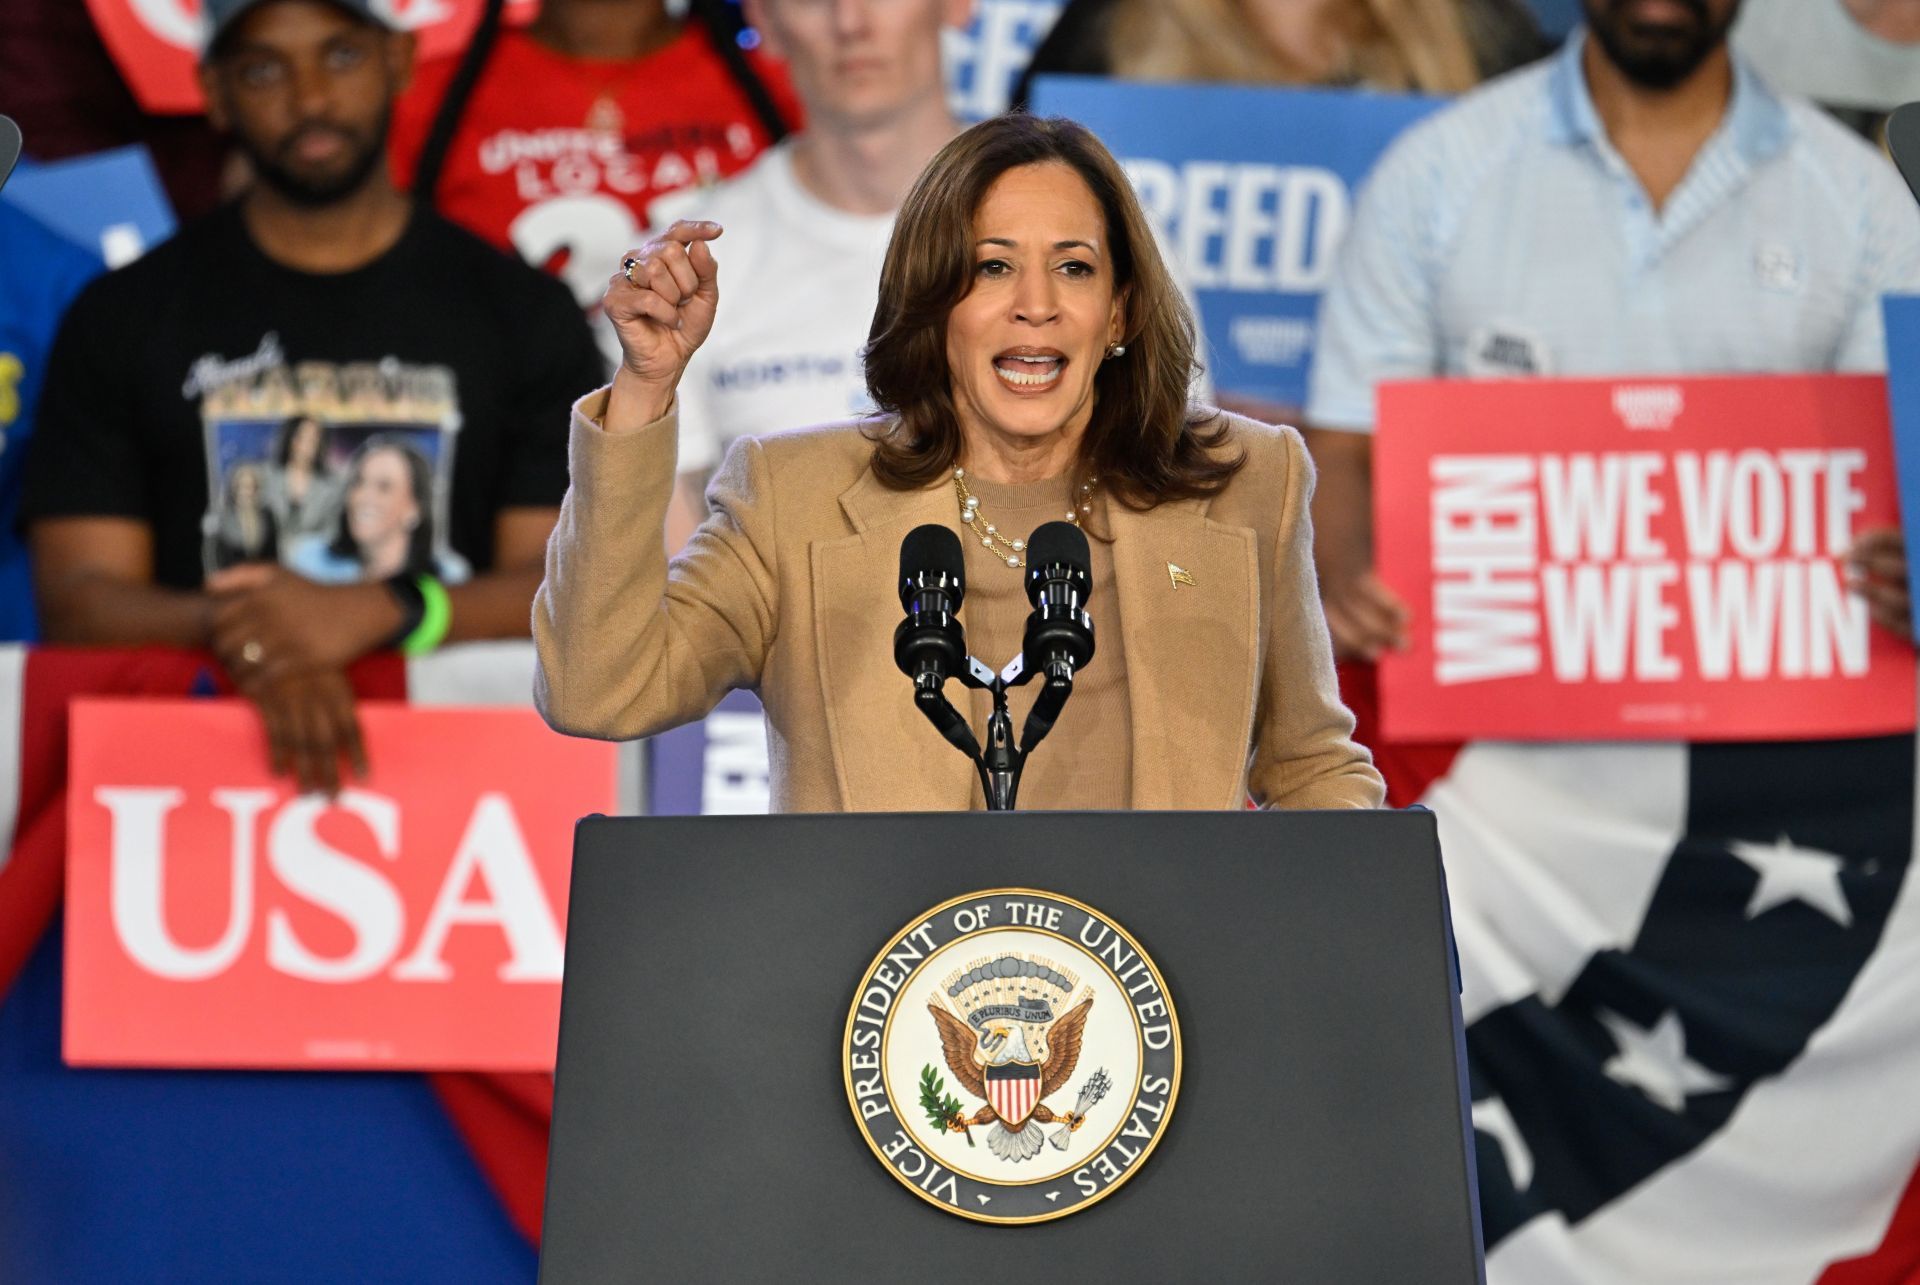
x=1116, y=350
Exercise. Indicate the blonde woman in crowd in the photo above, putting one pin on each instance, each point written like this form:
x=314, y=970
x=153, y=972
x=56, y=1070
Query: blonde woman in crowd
x=1426, y=46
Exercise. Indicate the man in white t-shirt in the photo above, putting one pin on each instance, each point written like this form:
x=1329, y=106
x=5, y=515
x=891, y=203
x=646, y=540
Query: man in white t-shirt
x=807, y=225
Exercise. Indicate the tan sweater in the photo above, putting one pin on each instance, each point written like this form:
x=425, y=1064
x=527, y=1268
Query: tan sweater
x=789, y=589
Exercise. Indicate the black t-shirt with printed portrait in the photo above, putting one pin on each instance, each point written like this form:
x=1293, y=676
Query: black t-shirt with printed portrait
x=349, y=426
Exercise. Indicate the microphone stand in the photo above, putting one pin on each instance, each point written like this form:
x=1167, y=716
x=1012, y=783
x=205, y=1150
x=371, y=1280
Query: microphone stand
x=1000, y=761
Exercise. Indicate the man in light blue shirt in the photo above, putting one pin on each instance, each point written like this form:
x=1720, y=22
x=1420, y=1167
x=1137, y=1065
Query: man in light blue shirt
x=1643, y=203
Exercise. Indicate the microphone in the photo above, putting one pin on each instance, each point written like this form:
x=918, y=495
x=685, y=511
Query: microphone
x=929, y=646
x=1059, y=637
x=1059, y=579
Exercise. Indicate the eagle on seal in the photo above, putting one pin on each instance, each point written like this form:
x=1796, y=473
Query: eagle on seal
x=997, y=1065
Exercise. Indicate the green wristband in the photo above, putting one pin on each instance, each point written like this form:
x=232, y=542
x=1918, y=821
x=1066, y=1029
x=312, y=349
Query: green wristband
x=434, y=621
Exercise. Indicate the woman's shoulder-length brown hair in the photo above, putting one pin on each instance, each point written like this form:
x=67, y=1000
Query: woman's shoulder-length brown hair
x=1144, y=442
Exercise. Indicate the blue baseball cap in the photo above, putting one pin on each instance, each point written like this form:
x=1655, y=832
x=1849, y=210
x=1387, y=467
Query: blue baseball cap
x=220, y=15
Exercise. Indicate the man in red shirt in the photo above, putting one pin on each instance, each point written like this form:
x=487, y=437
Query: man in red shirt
x=578, y=122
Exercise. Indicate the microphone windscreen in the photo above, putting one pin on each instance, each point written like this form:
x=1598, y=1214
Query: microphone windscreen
x=930, y=550
x=1059, y=543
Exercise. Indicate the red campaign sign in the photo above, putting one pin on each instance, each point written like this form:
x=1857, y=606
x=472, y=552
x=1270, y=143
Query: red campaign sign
x=1649, y=559
x=156, y=43
x=214, y=918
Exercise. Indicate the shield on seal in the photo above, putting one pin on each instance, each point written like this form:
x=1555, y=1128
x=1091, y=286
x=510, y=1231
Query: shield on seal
x=1014, y=1091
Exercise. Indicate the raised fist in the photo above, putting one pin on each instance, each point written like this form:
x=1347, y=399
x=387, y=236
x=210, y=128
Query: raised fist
x=661, y=303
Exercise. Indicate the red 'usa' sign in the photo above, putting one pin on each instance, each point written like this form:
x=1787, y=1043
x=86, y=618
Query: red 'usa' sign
x=214, y=918
x=1636, y=559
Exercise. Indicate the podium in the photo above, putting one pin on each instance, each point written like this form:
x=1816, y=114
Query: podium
x=709, y=1124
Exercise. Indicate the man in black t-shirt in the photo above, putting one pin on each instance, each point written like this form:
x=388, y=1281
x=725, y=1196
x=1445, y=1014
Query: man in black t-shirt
x=317, y=423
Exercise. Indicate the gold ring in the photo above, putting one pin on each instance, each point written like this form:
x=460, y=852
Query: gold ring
x=627, y=265
x=251, y=652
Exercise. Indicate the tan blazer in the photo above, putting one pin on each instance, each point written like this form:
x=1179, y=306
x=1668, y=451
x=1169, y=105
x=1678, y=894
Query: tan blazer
x=789, y=590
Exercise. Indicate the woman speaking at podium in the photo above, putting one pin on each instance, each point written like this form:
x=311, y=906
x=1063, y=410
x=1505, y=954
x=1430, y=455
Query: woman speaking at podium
x=1032, y=359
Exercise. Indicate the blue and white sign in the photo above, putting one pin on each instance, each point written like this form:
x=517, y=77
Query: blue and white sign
x=985, y=60
x=1903, y=398
x=109, y=202
x=715, y=767
x=1253, y=187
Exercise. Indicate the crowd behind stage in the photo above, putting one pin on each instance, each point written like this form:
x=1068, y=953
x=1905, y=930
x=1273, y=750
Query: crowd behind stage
x=291, y=423
x=245, y=440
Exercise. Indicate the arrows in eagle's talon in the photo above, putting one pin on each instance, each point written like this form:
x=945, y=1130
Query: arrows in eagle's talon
x=1090, y=1093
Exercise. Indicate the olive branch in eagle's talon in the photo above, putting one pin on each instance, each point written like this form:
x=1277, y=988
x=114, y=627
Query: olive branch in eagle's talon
x=944, y=1112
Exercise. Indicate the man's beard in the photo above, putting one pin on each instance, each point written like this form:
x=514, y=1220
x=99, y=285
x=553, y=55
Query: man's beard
x=1656, y=57
x=366, y=151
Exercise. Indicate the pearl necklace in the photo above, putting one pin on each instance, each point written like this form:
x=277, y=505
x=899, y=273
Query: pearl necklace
x=1004, y=546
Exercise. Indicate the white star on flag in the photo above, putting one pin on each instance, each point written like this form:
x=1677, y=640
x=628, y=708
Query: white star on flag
x=1656, y=1062
x=1790, y=873
x=1490, y=1115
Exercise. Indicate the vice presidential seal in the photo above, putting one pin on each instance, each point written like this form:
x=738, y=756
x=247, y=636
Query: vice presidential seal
x=1012, y=1056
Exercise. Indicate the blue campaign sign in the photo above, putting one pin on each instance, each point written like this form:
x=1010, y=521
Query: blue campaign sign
x=1253, y=187
x=1903, y=397
x=716, y=767
x=985, y=59
x=110, y=202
